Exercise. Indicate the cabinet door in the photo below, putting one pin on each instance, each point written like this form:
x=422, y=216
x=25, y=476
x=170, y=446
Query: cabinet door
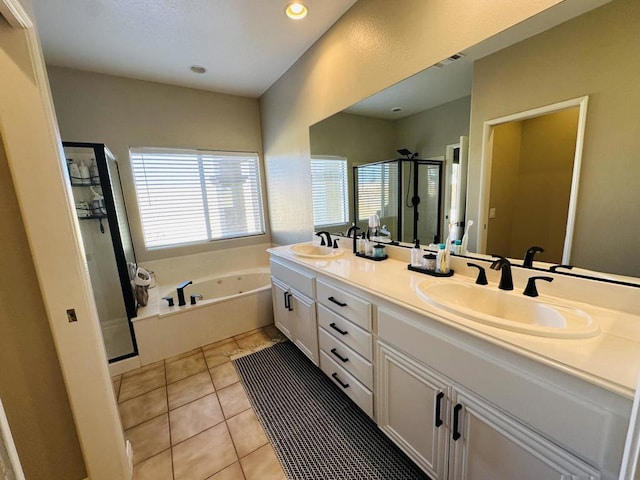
x=305, y=326
x=486, y=443
x=281, y=308
x=412, y=409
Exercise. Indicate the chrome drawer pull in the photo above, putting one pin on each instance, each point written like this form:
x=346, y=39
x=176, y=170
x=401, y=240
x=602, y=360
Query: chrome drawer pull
x=335, y=377
x=343, y=359
x=341, y=332
x=337, y=302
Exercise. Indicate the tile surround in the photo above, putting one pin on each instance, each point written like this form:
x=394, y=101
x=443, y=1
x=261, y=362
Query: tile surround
x=188, y=417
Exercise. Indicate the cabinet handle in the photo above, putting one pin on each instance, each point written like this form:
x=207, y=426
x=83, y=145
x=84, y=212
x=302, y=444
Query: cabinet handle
x=456, y=422
x=286, y=300
x=335, y=352
x=341, y=332
x=335, y=377
x=439, y=398
x=289, y=306
x=337, y=302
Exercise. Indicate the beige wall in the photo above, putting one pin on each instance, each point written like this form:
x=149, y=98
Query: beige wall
x=123, y=113
x=31, y=384
x=375, y=44
x=590, y=55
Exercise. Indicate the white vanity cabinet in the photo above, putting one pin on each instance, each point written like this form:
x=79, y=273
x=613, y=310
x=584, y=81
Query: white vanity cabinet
x=294, y=307
x=346, y=342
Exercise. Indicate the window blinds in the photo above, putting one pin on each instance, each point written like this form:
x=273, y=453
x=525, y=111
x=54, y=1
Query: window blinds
x=377, y=190
x=329, y=191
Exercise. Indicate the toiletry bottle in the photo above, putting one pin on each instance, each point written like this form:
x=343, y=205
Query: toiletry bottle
x=457, y=247
x=85, y=176
x=416, y=255
x=93, y=172
x=442, y=263
x=74, y=172
x=429, y=262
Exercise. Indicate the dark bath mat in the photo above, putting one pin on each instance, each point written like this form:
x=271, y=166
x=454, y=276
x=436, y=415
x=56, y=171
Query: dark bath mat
x=317, y=431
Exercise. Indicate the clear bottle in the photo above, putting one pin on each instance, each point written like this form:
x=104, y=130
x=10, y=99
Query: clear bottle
x=457, y=247
x=442, y=260
x=416, y=255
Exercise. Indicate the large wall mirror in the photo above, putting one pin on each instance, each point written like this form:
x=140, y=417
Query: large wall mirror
x=554, y=57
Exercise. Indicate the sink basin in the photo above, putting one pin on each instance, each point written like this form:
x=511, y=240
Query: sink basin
x=309, y=250
x=509, y=310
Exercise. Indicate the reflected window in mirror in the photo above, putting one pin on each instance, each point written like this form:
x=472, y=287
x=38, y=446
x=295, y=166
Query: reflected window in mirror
x=329, y=186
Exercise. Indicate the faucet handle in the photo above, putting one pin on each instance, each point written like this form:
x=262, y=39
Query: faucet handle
x=168, y=299
x=553, y=268
x=531, y=290
x=482, y=276
x=194, y=298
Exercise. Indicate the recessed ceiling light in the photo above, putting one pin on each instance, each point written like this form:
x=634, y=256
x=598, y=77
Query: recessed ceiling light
x=197, y=69
x=397, y=109
x=296, y=10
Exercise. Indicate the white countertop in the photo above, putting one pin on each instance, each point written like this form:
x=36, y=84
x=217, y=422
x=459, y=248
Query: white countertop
x=610, y=360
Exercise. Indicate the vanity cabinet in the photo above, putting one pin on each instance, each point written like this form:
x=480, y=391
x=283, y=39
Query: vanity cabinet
x=294, y=307
x=346, y=342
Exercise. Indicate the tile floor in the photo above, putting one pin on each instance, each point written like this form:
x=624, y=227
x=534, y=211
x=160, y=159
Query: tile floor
x=189, y=418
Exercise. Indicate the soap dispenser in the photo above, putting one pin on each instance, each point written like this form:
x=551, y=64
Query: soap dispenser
x=416, y=255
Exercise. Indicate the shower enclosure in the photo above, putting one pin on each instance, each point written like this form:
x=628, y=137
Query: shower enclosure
x=104, y=226
x=406, y=194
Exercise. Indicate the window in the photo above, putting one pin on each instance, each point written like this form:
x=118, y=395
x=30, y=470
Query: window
x=188, y=196
x=329, y=191
x=377, y=190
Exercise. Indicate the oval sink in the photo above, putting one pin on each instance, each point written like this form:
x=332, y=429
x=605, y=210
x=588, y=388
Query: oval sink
x=510, y=311
x=309, y=250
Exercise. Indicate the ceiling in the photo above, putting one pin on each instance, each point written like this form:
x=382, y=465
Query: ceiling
x=245, y=45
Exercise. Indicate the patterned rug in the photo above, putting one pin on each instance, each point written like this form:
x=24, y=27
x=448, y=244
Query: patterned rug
x=317, y=431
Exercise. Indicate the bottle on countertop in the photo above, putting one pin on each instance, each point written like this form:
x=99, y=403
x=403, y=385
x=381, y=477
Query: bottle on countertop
x=416, y=255
x=457, y=247
x=442, y=259
x=429, y=262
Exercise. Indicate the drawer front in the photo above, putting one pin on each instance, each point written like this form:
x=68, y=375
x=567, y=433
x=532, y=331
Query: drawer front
x=348, y=384
x=348, y=359
x=301, y=281
x=349, y=306
x=348, y=333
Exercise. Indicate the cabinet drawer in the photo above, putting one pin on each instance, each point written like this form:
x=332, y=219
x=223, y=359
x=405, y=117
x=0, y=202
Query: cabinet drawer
x=346, y=358
x=303, y=282
x=345, y=304
x=348, y=333
x=348, y=384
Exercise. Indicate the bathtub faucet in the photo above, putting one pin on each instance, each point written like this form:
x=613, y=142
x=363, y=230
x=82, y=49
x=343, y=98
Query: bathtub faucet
x=180, y=290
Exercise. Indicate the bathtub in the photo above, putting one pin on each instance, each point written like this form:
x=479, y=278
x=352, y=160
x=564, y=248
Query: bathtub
x=231, y=304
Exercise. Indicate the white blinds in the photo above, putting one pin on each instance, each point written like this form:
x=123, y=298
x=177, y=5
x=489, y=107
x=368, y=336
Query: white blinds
x=187, y=196
x=377, y=190
x=329, y=191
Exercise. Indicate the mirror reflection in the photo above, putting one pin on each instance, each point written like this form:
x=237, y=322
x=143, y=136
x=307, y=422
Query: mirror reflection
x=512, y=73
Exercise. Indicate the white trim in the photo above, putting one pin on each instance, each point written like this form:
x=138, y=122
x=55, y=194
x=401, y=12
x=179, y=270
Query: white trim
x=14, y=14
x=6, y=444
x=35, y=157
x=485, y=169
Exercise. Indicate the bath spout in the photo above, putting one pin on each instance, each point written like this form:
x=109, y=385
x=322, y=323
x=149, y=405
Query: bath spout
x=180, y=290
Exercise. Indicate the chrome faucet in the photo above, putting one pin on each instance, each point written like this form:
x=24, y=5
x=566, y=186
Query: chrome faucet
x=180, y=290
x=528, y=256
x=506, y=280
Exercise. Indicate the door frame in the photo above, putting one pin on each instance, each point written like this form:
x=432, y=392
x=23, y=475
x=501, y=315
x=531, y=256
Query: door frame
x=36, y=161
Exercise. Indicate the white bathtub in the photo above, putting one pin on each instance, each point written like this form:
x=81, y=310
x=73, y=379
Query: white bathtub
x=232, y=304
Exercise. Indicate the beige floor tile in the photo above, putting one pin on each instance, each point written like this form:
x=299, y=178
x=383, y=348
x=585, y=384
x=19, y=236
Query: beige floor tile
x=246, y=432
x=183, y=355
x=232, y=472
x=189, y=389
x=142, y=383
x=262, y=465
x=204, y=455
x=140, y=370
x=217, y=354
x=158, y=467
x=272, y=332
x=224, y=375
x=143, y=408
x=233, y=400
x=252, y=339
x=194, y=417
x=185, y=367
x=149, y=438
